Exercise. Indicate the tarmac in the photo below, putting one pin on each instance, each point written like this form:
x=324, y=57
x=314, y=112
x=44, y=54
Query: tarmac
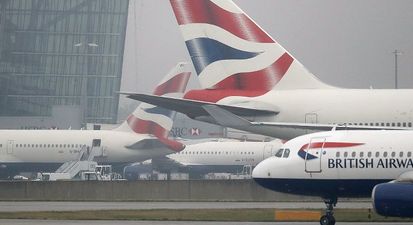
x=115, y=222
x=23, y=206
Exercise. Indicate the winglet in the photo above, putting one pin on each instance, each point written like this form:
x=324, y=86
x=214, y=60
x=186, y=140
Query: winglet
x=226, y=118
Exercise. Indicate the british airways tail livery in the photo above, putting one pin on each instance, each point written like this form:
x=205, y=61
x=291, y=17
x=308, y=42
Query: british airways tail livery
x=154, y=120
x=343, y=164
x=246, y=72
x=232, y=55
x=141, y=137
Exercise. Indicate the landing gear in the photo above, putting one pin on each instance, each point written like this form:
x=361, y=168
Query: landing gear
x=328, y=218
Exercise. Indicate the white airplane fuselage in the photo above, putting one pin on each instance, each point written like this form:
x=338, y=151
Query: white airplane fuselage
x=338, y=163
x=225, y=153
x=391, y=108
x=44, y=148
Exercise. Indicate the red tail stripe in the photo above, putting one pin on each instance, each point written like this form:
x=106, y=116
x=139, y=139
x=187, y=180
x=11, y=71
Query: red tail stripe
x=204, y=11
x=176, y=84
x=330, y=145
x=261, y=80
x=149, y=127
x=249, y=84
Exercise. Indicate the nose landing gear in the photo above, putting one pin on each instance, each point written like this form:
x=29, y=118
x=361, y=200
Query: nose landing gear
x=328, y=218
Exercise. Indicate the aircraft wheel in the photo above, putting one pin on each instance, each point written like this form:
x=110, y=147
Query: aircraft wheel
x=327, y=220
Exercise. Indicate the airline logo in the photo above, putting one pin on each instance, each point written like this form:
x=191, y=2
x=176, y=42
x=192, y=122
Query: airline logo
x=150, y=119
x=195, y=131
x=304, y=150
x=232, y=55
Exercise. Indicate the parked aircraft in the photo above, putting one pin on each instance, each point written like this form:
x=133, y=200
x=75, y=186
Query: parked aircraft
x=224, y=156
x=344, y=164
x=243, y=70
x=142, y=136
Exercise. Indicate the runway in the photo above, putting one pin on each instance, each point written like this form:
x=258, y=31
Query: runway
x=80, y=206
x=98, y=222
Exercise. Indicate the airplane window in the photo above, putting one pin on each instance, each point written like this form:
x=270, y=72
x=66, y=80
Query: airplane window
x=377, y=124
x=409, y=124
x=401, y=154
x=23, y=145
x=369, y=154
x=361, y=154
x=385, y=154
x=382, y=124
x=393, y=154
x=37, y=145
x=337, y=154
x=398, y=124
x=64, y=146
x=393, y=124
x=388, y=124
x=353, y=154
x=377, y=154
x=345, y=154
x=279, y=153
x=409, y=154
x=286, y=153
x=404, y=124
x=371, y=124
x=17, y=145
x=73, y=145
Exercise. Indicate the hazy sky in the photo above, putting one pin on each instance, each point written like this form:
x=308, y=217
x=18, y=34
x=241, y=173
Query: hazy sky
x=347, y=43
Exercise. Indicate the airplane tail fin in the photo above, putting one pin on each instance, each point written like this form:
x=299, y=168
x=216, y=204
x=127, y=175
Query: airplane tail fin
x=232, y=55
x=157, y=121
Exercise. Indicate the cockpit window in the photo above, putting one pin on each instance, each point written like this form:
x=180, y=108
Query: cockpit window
x=279, y=153
x=286, y=153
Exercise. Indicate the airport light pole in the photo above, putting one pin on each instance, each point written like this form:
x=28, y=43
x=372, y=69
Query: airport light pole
x=396, y=54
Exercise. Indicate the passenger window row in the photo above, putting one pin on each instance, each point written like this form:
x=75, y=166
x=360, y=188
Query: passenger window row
x=383, y=124
x=48, y=145
x=212, y=153
x=377, y=154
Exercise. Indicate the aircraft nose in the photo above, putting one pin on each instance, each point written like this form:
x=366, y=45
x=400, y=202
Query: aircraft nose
x=262, y=170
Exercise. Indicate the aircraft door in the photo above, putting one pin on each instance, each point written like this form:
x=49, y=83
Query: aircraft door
x=310, y=118
x=10, y=145
x=267, y=151
x=313, y=155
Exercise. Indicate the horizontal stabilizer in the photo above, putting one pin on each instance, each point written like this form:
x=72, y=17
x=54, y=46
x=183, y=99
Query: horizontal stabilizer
x=147, y=144
x=194, y=108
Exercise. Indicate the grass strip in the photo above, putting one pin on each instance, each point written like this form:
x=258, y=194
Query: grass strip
x=245, y=215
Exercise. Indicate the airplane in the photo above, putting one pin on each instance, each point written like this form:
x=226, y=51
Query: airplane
x=223, y=155
x=142, y=136
x=346, y=163
x=244, y=71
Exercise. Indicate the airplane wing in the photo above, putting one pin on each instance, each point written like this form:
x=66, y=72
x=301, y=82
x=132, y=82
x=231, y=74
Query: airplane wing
x=194, y=108
x=228, y=119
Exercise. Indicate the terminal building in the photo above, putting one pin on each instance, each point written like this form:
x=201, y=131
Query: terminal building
x=60, y=62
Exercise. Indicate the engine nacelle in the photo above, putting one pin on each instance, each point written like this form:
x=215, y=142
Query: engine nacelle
x=393, y=199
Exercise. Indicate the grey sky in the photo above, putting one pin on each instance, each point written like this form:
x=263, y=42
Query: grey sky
x=347, y=43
